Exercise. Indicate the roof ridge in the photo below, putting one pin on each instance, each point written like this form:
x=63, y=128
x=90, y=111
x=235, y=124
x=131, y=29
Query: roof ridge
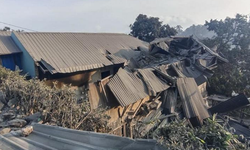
x=71, y=33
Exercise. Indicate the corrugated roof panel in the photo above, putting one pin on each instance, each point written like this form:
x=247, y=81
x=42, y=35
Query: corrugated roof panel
x=127, y=87
x=116, y=60
x=71, y=52
x=7, y=45
x=189, y=71
x=58, y=138
x=193, y=103
x=153, y=82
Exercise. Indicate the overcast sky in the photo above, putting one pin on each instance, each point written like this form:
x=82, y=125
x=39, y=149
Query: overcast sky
x=112, y=15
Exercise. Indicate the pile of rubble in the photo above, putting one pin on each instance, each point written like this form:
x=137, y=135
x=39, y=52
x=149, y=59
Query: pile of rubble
x=10, y=121
x=165, y=82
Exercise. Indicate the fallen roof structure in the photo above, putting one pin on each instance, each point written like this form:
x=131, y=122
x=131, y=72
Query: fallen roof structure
x=127, y=87
x=58, y=138
x=178, y=62
x=192, y=101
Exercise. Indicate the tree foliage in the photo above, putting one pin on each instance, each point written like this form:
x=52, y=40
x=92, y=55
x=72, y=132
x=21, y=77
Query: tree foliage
x=148, y=28
x=178, y=135
x=233, y=39
x=197, y=31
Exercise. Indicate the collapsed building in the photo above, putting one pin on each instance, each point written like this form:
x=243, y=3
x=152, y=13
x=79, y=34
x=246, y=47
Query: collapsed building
x=169, y=79
x=143, y=87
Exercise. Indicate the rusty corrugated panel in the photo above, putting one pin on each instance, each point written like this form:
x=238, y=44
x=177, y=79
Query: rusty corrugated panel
x=193, y=103
x=127, y=87
x=71, y=52
x=7, y=45
x=45, y=137
x=153, y=83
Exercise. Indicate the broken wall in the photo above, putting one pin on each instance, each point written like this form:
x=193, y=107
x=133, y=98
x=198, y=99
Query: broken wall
x=78, y=78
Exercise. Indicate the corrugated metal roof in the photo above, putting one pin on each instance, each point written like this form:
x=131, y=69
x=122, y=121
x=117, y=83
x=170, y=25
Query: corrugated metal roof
x=127, y=87
x=193, y=103
x=71, y=52
x=58, y=138
x=154, y=84
x=115, y=59
x=190, y=71
x=7, y=45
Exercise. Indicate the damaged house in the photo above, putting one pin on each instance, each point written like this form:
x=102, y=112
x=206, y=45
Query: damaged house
x=143, y=86
x=167, y=80
x=70, y=58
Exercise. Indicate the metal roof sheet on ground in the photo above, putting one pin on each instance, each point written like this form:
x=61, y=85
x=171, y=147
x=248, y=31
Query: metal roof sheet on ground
x=58, y=138
x=193, y=103
x=127, y=87
x=230, y=104
x=152, y=81
x=7, y=45
x=240, y=130
x=71, y=52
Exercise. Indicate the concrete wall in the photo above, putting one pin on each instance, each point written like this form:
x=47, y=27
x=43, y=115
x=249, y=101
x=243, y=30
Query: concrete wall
x=27, y=62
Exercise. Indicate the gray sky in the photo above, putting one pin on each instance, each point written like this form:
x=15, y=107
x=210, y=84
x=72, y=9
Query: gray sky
x=113, y=15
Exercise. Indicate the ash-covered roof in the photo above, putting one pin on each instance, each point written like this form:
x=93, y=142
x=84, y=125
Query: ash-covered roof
x=7, y=45
x=72, y=52
x=58, y=138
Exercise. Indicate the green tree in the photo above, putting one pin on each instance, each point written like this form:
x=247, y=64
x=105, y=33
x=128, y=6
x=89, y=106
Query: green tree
x=5, y=29
x=233, y=39
x=148, y=28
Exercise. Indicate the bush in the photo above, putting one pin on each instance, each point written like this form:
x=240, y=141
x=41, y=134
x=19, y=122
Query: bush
x=179, y=135
x=58, y=106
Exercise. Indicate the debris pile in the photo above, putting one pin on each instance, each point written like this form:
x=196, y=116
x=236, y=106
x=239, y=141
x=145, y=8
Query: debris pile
x=167, y=81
